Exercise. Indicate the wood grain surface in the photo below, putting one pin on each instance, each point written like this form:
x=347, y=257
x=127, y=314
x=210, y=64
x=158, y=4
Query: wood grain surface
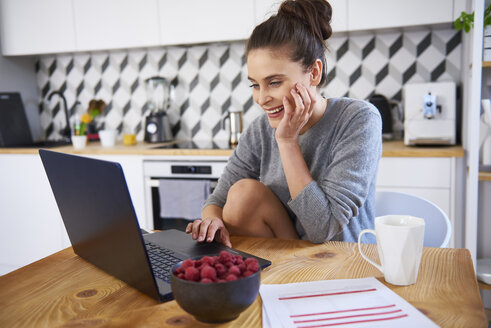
x=485, y=176
x=63, y=290
x=389, y=149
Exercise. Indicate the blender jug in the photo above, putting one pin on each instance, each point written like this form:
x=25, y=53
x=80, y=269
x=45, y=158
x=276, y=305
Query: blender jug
x=159, y=99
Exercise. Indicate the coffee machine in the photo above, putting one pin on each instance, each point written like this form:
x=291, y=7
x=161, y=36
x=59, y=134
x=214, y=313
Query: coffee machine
x=159, y=99
x=430, y=113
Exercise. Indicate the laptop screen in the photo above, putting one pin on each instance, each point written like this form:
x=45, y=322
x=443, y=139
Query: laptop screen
x=98, y=214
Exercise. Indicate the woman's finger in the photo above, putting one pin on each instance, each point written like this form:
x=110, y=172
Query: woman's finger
x=224, y=237
x=305, y=96
x=218, y=231
x=299, y=106
x=288, y=107
x=203, y=229
x=189, y=227
x=212, y=229
x=195, y=228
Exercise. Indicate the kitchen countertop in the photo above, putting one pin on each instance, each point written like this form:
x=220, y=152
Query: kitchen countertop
x=390, y=149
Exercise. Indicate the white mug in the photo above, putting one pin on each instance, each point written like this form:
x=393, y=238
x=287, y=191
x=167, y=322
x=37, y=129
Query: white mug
x=108, y=138
x=400, y=246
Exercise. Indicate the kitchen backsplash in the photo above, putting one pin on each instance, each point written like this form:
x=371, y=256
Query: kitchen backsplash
x=212, y=78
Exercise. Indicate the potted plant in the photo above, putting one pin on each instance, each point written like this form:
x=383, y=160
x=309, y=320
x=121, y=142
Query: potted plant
x=86, y=125
x=466, y=21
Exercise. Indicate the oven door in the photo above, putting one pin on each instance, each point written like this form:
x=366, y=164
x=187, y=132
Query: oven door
x=156, y=170
x=160, y=223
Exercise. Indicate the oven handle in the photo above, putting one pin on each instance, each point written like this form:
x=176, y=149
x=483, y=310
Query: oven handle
x=155, y=183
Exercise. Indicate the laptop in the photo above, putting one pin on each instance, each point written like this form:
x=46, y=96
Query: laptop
x=98, y=214
x=14, y=126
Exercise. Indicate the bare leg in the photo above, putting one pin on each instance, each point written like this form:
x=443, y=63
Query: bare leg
x=252, y=209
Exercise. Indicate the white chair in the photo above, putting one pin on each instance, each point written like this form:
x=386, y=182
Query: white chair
x=437, y=225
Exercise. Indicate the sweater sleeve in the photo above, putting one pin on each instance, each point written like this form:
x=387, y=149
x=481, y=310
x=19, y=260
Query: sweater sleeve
x=325, y=206
x=244, y=163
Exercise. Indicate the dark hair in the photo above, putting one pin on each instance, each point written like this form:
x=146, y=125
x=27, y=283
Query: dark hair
x=301, y=26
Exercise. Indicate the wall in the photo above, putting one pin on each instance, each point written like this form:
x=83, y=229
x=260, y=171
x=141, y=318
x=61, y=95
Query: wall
x=212, y=78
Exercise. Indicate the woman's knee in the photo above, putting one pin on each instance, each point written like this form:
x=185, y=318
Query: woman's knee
x=245, y=193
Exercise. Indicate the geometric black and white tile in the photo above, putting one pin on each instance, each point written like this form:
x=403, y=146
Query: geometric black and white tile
x=211, y=79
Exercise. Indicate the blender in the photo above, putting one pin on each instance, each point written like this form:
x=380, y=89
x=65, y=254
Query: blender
x=159, y=99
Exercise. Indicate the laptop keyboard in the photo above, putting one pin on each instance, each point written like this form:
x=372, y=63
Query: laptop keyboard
x=161, y=260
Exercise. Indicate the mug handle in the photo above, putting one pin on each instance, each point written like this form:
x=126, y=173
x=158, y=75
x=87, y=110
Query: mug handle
x=363, y=255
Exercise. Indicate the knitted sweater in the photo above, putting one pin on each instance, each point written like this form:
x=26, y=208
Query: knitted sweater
x=341, y=150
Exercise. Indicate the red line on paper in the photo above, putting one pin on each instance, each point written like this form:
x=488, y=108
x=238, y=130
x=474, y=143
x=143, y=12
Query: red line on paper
x=327, y=294
x=348, y=316
x=341, y=311
x=358, y=321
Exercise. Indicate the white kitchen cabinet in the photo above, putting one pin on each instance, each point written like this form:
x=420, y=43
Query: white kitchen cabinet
x=374, y=14
x=55, y=26
x=31, y=224
x=432, y=178
x=36, y=27
x=458, y=7
x=113, y=24
x=197, y=21
x=339, y=23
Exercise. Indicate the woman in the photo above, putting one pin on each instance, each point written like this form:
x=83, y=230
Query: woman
x=307, y=168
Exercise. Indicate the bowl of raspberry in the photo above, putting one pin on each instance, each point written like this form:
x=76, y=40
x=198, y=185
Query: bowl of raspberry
x=216, y=289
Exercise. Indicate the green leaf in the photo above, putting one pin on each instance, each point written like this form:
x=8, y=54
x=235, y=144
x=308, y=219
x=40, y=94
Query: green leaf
x=94, y=112
x=457, y=25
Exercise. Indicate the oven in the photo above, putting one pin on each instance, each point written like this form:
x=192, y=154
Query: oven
x=181, y=168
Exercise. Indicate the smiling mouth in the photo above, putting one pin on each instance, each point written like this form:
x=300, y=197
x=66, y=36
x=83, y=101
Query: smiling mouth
x=274, y=110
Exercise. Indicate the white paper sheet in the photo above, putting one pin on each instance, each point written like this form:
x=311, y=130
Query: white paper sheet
x=362, y=302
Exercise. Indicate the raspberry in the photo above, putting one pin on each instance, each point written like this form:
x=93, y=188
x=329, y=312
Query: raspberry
x=249, y=260
x=225, y=257
x=242, y=267
x=220, y=269
x=253, y=266
x=208, y=260
x=234, y=270
x=187, y=263
x=192, y=274
x=231, y=277
x=208, y=272
x=238, y=259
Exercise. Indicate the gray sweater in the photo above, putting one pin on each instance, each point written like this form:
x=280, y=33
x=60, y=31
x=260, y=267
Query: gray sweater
x=342, y=151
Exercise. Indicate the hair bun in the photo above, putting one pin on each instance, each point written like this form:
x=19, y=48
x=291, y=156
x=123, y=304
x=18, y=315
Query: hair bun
x=316, y=14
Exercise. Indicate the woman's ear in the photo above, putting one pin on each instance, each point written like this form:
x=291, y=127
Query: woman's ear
x=316, y=73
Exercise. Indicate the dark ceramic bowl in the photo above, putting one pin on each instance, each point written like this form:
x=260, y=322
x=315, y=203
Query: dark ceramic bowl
x=215, y=302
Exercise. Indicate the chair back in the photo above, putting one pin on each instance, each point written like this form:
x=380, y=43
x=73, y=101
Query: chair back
x=437, y=225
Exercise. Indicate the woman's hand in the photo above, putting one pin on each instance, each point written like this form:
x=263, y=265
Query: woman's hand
x=209, y=229
x=296, y=114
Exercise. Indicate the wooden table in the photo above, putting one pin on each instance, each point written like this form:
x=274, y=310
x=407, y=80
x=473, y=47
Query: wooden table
x=63, y=290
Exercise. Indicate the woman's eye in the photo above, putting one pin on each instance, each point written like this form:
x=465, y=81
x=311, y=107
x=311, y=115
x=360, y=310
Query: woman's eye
x=275, y=83
x=254, y=86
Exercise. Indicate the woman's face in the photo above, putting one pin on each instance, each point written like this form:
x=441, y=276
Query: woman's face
x=272, y=76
